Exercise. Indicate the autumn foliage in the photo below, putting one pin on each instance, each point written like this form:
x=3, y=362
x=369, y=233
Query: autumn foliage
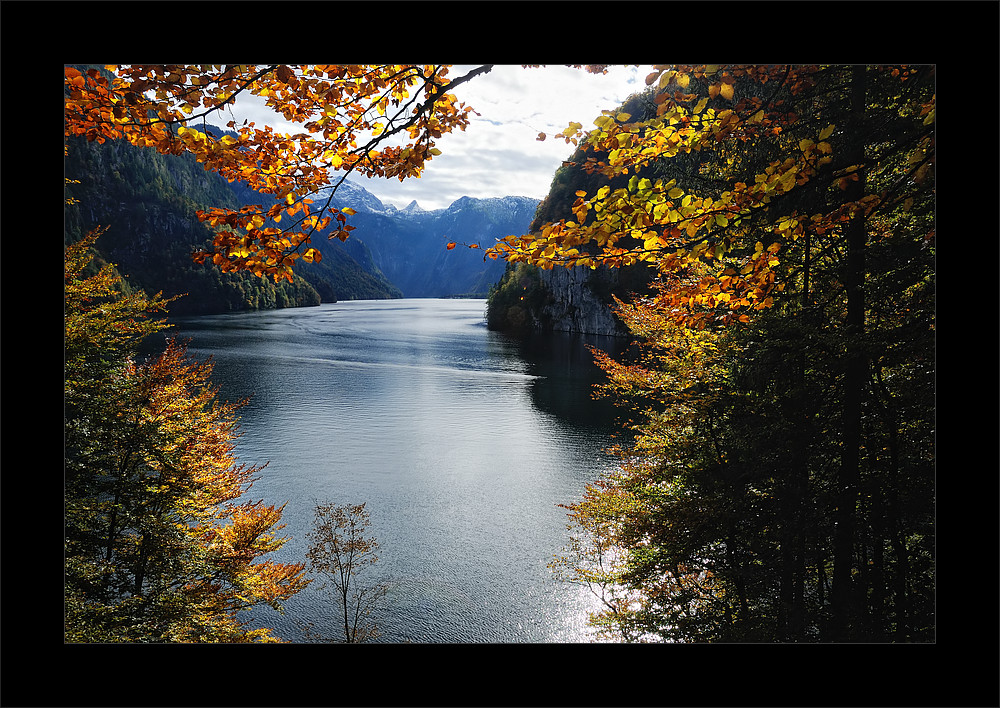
x=162, y=542
x=378, y=121
x=340, y=551
x=779, y=485
x=721, y=234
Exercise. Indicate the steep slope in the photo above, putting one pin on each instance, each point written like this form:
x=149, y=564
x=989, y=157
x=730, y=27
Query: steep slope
x=148, y=202
x=568, y=300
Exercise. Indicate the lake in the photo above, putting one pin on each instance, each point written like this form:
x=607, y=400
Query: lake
x=460, y=441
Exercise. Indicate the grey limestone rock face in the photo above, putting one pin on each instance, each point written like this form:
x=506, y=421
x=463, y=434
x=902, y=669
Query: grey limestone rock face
x=576, y=306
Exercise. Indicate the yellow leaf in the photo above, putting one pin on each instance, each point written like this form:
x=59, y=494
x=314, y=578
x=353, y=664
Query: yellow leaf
x=827, y=132
x=348, y=211
x=727, y=91
x=571, y=129
x=675, y=193
x=701, y=105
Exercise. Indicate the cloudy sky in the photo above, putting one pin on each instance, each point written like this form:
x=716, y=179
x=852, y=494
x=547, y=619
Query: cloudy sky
x=498, y=155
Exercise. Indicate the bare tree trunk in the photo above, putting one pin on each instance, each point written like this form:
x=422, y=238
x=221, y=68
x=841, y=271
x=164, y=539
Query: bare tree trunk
x=842, y=597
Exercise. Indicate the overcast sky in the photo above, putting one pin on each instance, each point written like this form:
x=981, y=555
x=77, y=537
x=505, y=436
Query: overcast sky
x=498, y=155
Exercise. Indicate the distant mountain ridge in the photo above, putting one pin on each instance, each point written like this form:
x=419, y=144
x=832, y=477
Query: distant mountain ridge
x=410, y=245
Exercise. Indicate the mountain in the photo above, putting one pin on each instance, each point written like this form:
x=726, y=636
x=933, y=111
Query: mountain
x=147, y=202
x=410, y=245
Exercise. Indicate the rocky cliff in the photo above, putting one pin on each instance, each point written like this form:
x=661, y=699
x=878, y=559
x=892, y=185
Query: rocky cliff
x=575, y=300
x=578, y=301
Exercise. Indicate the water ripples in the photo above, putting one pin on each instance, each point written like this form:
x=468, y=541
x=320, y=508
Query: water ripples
x=460, y=446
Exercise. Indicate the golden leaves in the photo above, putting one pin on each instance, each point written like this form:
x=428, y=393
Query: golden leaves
x=675, y=229
x=347, y=112
x=723, y=88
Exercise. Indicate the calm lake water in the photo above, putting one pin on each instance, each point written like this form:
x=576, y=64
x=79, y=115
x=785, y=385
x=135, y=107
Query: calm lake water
x=461, y=441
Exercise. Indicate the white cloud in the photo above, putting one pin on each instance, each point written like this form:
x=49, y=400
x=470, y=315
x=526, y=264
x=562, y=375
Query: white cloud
x=498, y=154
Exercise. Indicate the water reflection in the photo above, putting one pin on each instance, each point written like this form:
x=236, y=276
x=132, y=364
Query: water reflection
x=567, y=374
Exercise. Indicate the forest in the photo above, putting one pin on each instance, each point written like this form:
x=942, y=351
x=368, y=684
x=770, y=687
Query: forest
x=776, y=479
x=781, y=482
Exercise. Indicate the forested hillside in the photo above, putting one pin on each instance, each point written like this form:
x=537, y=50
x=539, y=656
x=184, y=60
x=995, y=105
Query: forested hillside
x=147, y=202
x=577, y=299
